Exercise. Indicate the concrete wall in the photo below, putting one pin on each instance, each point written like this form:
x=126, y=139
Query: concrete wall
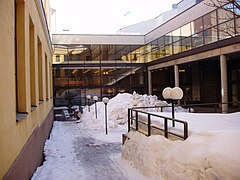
x=14, y=134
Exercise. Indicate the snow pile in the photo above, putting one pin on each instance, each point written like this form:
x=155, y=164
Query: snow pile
x=117, y=109
x=60, y=161
x=210, y=152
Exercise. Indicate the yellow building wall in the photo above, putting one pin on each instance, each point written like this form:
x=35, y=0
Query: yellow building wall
x=13, y=134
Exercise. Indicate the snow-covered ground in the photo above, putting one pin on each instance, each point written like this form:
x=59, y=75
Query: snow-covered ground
x=210, y=152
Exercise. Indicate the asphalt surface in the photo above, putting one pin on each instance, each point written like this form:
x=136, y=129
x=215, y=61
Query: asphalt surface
x=96, y=158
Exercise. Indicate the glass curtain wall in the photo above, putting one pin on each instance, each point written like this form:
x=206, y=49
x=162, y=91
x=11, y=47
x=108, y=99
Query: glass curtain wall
x=97, y=70
x=217, y=25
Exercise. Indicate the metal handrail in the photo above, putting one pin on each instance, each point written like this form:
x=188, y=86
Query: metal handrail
x=166, y=131
x=189, y=106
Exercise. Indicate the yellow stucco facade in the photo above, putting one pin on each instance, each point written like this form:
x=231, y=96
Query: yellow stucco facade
x=25, y=72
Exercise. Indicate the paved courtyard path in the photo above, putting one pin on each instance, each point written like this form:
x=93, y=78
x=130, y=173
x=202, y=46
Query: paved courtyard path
x=73, y=152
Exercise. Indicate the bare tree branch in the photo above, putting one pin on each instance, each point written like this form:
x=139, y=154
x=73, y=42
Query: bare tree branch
x=220, y=4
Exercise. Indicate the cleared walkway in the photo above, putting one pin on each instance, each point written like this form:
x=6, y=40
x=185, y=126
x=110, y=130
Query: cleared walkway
x=72, y=153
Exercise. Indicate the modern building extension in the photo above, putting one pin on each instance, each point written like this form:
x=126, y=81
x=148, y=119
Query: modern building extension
x=195, y=46
x=26, y=103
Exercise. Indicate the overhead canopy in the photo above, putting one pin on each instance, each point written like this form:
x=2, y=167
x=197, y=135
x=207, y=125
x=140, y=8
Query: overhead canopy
x=97, y=39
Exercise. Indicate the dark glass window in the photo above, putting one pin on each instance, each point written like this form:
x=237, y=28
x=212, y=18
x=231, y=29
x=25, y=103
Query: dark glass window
x=187, y=43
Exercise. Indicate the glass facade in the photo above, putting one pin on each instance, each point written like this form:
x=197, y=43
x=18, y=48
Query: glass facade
x=105, y=70
x=102, y=70
x=214, y=26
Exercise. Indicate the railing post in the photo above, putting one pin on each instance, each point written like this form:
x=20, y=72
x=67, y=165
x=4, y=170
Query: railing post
x=136, y=120
x=239, y=105
x=129, y=119
x=185, y=130
x=173, y=117
x=165, y=128
x=131, y=116
x=149, y=125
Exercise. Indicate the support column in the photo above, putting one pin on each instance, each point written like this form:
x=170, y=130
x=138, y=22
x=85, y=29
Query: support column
x=176, y=75
x=224, y=85
x=149, y=82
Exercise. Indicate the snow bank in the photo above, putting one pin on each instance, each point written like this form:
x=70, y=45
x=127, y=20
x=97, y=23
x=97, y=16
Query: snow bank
x=213, y=155
x=117, y=109
x=210, y=152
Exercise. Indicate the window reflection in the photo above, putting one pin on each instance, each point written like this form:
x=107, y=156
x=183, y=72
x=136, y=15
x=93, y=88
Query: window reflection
x=225, y=14
x=226, y=30
x=210, y=20
x=186, y=44
x=237, y=26
x=168, y=38
x=197, y=25
x=197, y=39
x=210, y=35
x=177, y=47
x=176, y=34
x=186, y=30
x=110, y=69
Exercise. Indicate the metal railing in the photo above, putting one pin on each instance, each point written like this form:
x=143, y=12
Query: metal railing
x=134, y=119
x=201, y=107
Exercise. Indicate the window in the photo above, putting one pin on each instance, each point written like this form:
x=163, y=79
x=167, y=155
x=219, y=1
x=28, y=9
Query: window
x=177, y=47
x=187, y=43
x=46, y=77
x=40, y=70
x=20, y=59
x=155, y=50
x=50, y=76
x=236, y=9
x=197, y=25
x=186, y=30
x=32, y=63
x=226, y=30
x=210, y=20
x=168, y=46
x=225, y=14
x=176, y=34
x=237, y=22
x=57, y=58
x=168, y=38
x=197, y=39
x=210, y=35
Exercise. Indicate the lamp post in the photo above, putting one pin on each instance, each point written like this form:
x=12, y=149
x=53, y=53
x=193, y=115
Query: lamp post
x=95, y=98
x=172, y=94
x=105, y=101
x=88, y=99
